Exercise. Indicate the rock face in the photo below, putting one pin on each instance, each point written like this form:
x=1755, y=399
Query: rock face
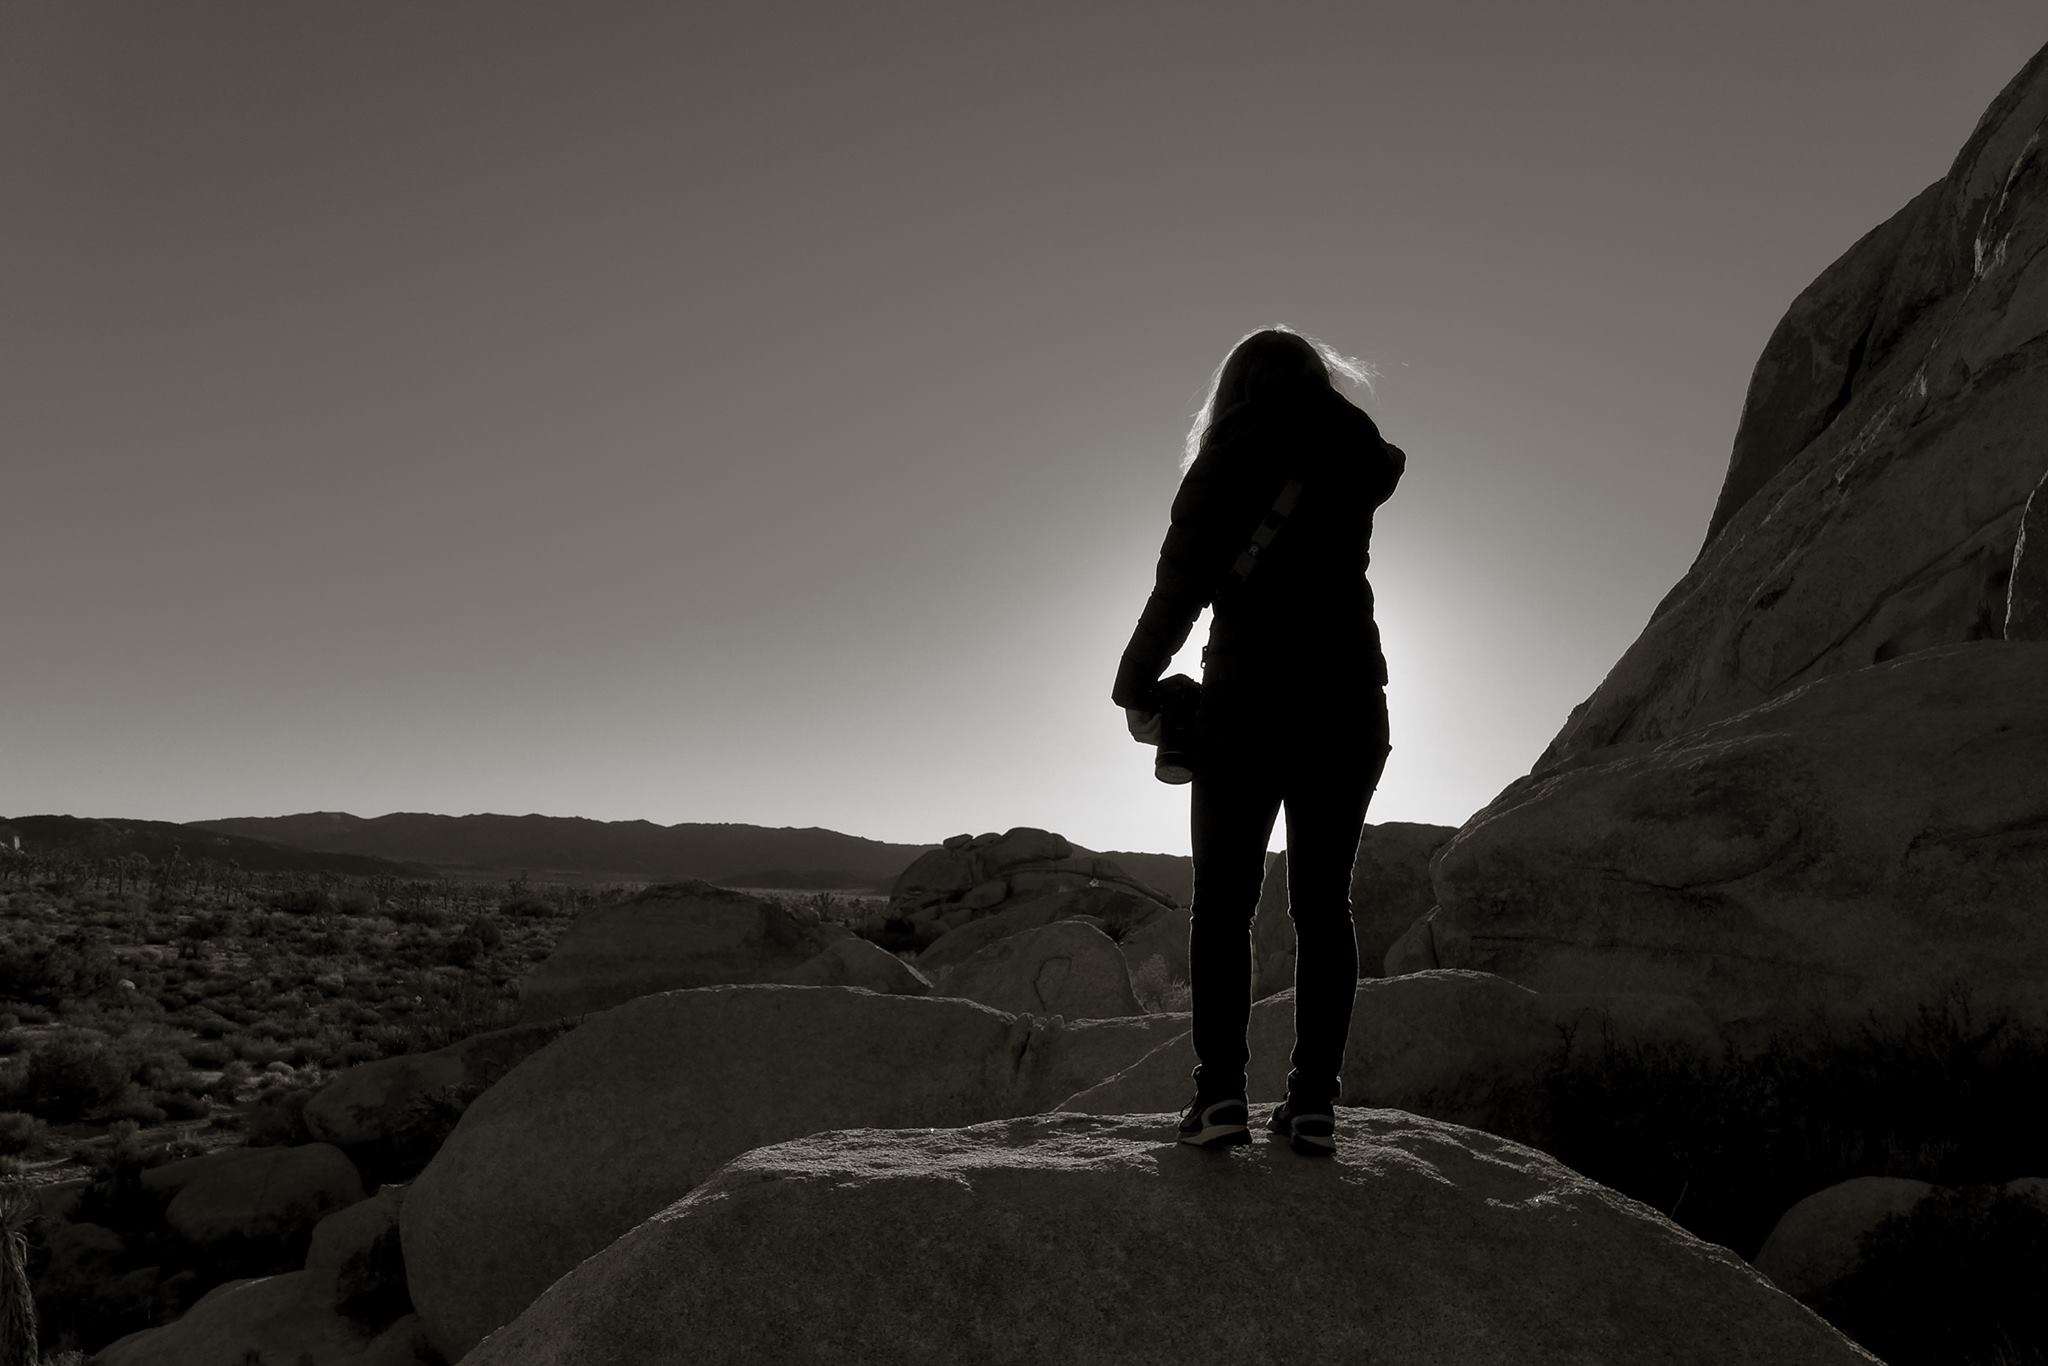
x=360, y=1246
x=1888, y=445
x=2026, y=601
x=1110, y=907
x=1065, y=968
x=621, y=1116
x=270, y=1197
x=391, y=1114
x=285, y=1319
x=1857, y=844
x=1459, y=1046
x=1390, y=888
x=984, y=883
x=1419, y=1242
x=1815, y=1243
x=1165, y=937
x=675, y=934
x=854, y=962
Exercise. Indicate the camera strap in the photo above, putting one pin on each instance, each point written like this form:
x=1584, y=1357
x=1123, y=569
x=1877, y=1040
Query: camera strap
x=1269, y=527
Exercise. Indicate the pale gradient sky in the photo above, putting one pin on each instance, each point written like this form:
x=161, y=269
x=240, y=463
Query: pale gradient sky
x=769, y=413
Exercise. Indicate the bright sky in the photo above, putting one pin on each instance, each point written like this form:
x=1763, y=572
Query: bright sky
x=769, y=413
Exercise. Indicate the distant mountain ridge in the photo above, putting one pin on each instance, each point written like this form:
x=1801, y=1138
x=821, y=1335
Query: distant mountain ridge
x=94, y=837
x=577, y=848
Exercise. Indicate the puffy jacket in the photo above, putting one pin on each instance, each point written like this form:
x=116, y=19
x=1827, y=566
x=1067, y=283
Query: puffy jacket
x=1306, y=611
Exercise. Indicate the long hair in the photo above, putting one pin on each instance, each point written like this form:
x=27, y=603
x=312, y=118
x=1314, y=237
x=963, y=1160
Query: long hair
x=1270, y=361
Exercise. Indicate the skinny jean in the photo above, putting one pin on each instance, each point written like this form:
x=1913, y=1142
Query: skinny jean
x=1316, y=749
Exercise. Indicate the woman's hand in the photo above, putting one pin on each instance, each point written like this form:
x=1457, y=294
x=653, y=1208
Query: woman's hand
x=1145, y=728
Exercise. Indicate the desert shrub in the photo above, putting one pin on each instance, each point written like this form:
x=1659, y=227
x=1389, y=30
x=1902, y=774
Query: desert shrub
x=254, y=1048
x=421, y=913
x=1954, y=1280
x=20, y=1132
x=228, y=1086
x=355, y=1051
x=208, y=1024
x=329, y=943
x=209, y=1053
x=184, y=1104
x=114, y=1195
x=279, y=1119
x=894, y=933
x=70, y=1074
x=356, y=901
x=446, y=1012
x=484, y=930
x=526, y=908
x=302, y=901
x=1157, y=989
x=49, y=974
x=209, y=927
x=461, y=951
x=135, y=1104
x=1726, y=1145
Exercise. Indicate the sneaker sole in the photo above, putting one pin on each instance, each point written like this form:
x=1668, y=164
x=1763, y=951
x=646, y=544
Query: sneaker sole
x=1313, y=1145
x=1318, y=1140
x=1219, y=1136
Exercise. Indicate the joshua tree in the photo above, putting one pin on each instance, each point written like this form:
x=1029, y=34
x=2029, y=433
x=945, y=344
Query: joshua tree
x=17, y=1301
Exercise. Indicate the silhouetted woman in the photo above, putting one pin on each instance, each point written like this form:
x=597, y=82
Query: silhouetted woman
x=1293, y=712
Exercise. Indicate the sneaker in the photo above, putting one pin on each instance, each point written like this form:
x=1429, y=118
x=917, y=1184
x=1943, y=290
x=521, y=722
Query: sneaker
x=1310, y=1126
x=1210, y=1123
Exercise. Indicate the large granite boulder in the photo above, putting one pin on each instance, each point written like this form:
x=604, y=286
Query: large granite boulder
x=1816, y=1244
x=289, y=1320
x=1043, y=860
x=1390, y=888
x=674, y=934
x=1888, y=445
x=1466, y=1047
x=1860, y=844
x=855, y=962
x=1065, y=1238
x=391, y=1114
x=255, y=1198
x=624, y=1114
x=1065, y=968
x=360, y=1245
x=986, y=882
x=1120, y=911
x=1165, y=937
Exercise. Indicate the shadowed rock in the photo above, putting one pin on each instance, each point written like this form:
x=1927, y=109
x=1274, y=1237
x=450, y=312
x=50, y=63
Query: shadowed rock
x=283, y=1319
x=1109, y=905
x=675, y=934
x=624, y=1114
x=1066, y=968
x=1857, y=845
x=391, y=1114
x=855, y=962
x=1815, y=1244
x=1067, y=1238
x=267, y=1197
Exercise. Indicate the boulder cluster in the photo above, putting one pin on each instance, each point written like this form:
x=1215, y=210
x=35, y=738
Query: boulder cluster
x=1815, y=788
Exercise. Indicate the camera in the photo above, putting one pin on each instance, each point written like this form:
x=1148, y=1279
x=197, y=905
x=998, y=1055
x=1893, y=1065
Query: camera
x=1178, y=700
